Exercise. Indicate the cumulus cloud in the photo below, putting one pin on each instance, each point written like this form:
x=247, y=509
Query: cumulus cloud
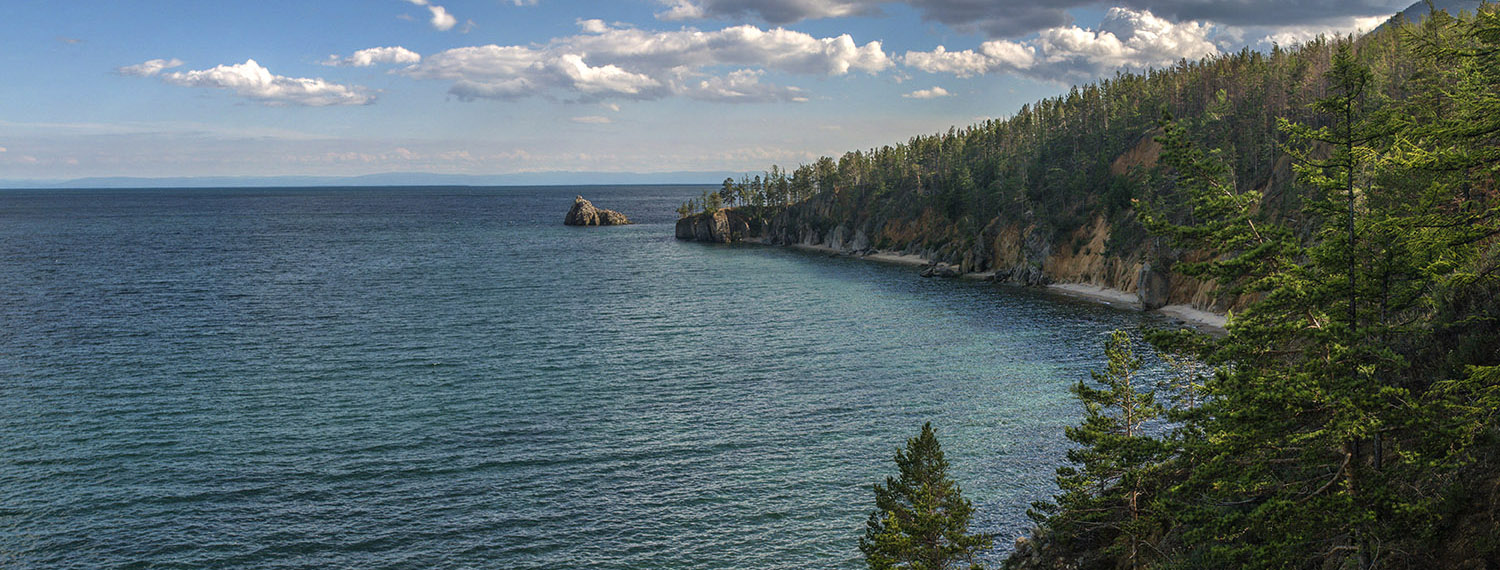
x=376, y=55
x=997, y=18
x=1289, y=35
x=1126, y=39
x=1015, y=18
x=441, y=19
x=992, y=56
x=150, y=68
x=1268, y=12
x=933, y=93
x=592, y=26
x=609, y=62
x=252, y=81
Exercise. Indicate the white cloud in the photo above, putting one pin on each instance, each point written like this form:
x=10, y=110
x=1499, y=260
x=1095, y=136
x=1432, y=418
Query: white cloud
x=1018, y=18
x=524, y=2
x=441, y=19
x=678, y=10
x=1292, y=35
x=1126, y=39
x=606, y=61
x=993, y=56
x=599, y=80
x=376, y=55
x=252, y=81
x=742, y=86
x=592, y=120
x=933, y=93
x=593, y=26
x=150, y=68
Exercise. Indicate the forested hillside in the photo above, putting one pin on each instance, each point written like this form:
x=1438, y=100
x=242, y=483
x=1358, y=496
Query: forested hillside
x=1047, y=194
x=1343, y=197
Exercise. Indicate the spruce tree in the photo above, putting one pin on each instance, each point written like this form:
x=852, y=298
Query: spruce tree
x=921, y=519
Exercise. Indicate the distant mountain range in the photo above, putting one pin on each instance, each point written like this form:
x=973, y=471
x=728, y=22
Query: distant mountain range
x=387, y=179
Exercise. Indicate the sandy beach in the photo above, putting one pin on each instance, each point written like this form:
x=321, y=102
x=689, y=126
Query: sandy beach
x=1204, y=320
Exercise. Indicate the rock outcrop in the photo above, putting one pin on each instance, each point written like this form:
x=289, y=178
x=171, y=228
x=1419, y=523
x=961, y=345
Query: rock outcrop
x=722, y=226
x=584, y=213
x=1014, y=246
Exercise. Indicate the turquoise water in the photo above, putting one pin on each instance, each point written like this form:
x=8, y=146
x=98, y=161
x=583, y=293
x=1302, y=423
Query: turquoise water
x=450, y=378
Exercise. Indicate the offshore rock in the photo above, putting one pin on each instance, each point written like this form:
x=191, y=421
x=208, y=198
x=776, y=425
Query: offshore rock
x=584, y=213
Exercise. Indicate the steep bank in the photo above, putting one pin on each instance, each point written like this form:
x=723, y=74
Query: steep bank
x=1075, y=265
x=1107, y=257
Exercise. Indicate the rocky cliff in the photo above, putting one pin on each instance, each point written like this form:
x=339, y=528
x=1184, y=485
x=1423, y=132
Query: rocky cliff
x=722, y=226
x=1015, y=247
x=584, y=213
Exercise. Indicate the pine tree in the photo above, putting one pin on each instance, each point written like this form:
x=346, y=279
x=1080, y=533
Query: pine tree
x=921, y=520
x=1320, y=438
x=1103, y=504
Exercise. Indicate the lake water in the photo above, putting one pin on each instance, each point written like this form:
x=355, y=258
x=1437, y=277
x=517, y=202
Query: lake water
x=450, y=378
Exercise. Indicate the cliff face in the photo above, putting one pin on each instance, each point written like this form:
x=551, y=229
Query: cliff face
x=1013, y=246
x=722, y=226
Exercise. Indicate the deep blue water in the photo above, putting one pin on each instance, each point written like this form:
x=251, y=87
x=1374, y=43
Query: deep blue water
x=450, y=378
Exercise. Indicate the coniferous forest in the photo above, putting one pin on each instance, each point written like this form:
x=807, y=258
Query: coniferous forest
x=1341, y=197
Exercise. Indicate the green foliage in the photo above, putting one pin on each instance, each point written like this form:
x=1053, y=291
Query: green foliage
x=1105, y=494
x=921, y=520
x=1350, y=413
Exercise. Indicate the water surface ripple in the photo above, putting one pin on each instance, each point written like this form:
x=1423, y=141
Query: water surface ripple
x=449, y=378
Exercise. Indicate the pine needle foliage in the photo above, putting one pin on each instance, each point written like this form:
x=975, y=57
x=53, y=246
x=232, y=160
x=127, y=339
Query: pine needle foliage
x=921, y=519
x=1106, y=490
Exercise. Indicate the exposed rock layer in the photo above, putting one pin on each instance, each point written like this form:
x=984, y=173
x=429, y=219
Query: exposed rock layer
x=584, y=213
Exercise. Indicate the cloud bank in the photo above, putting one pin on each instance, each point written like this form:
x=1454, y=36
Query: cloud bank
x=1126, y=39
x=1015, y=18
x=609, y=62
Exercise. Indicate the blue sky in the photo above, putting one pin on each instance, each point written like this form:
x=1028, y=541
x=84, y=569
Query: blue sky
x=352, y=87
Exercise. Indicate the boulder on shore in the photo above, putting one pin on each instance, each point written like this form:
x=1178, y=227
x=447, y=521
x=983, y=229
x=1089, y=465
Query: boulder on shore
x=584, y=213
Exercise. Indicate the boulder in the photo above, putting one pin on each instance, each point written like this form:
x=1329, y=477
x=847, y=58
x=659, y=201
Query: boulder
x=584, y=213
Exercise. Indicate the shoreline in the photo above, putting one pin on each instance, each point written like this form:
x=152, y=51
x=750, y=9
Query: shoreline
x=1206, y=321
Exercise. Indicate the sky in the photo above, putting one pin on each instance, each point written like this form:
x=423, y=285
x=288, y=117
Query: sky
x=160, y=88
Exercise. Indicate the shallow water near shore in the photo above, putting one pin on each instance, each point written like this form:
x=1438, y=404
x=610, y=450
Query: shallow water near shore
x=448, y=377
